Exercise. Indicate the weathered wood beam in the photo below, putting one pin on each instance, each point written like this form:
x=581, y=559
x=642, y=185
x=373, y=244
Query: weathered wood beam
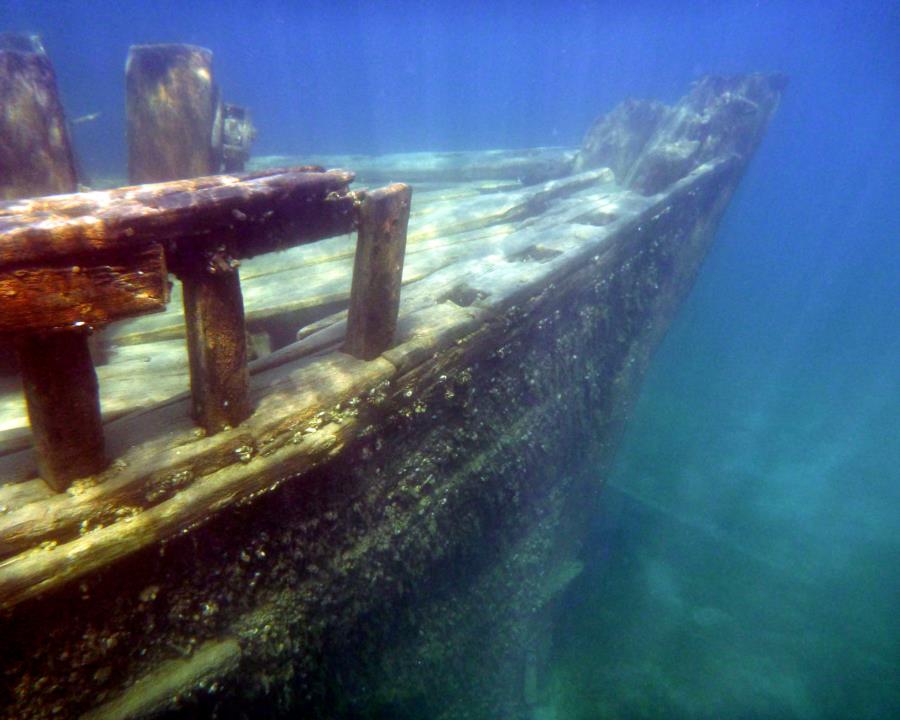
x=434, y=240
x=377, y=271
x=63, y=405
x=170, y=102
x=162, y=688
x=506, y=169
x=113, y=287
x=89, y=258
x=35, y=152
x=267, y=210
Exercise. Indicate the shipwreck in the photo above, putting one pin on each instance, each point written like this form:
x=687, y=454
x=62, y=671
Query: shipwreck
x=282, y=446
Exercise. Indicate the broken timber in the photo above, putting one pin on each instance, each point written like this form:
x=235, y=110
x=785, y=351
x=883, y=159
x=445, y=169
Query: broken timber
x=396, y=528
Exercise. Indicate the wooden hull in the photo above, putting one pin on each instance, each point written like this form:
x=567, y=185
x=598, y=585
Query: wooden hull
x=379, y=537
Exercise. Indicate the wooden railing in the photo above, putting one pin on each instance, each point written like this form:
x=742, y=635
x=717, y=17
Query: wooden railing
x=71, y=263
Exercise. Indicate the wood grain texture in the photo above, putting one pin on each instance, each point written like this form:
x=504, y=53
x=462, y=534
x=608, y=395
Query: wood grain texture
x=43, y=298
x=63, y=406
x=217, y=345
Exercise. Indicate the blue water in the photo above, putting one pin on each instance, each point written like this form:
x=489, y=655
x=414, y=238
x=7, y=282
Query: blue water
x=749, y=565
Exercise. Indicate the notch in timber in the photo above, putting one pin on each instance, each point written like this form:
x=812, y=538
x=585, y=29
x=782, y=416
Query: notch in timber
x=378, y=271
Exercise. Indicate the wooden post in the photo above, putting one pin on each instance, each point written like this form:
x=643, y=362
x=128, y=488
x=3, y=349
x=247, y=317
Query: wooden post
x=378, y=271
x=171, y=104
x=57, y=373
x=63, y=405
x=35, y=152
x=217, y=348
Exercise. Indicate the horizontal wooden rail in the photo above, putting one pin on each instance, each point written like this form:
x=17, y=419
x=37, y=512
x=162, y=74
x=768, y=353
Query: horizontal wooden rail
x=263, y=211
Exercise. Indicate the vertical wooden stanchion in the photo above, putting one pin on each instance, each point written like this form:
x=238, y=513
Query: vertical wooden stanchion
x=217, y=347
x=58, y=375
x=35, y=152
x=378, y=271
x=170, y=100
x=171, y=104
x=63, y=405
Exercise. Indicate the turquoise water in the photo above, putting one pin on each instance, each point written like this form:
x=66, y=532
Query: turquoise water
x=747, y=562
